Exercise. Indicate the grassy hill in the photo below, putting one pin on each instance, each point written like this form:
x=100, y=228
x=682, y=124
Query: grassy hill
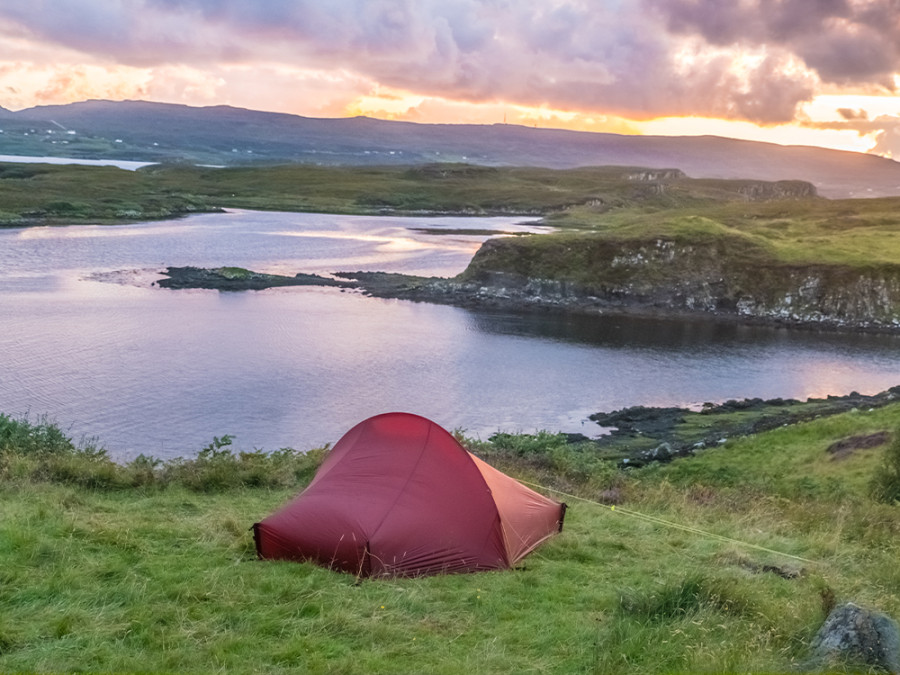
x=727, y=561
x=858, y=232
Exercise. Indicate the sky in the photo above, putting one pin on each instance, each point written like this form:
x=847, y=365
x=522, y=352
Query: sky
x=809, y=72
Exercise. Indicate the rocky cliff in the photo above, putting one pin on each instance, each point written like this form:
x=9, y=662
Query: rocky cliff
x=722, y=276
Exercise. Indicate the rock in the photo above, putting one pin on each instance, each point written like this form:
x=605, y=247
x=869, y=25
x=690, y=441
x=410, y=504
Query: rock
x=661, y=453
x=847, y=446
x=855, y=636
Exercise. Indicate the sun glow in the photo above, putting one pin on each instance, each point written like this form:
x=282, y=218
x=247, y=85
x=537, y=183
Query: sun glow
x=783, y=134
x=386, y=103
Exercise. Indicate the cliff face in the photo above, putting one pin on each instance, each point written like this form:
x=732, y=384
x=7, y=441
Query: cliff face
x=726, y=278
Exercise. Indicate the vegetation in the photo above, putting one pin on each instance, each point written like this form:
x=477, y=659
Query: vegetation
x=852, y=234
x=48, y=194
x=70, y=194
x=857, y=232
x=886, y=482
x=150, y=566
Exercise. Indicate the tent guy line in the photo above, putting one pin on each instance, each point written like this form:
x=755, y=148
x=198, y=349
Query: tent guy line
x=671, y=524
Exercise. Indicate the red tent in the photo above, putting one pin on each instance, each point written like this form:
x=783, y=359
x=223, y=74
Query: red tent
x=399, y=496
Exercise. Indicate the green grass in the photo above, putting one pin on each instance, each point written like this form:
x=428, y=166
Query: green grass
x=855, y=232
x=160, y=574
x=71, y=194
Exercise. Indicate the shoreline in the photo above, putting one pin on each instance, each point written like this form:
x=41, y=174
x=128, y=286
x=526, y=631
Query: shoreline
x=470, y=295
x=629, y=437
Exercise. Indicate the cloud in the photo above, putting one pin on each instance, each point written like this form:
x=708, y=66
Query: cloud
x=850, y=114
x=883, y=130
x=754, y=60
x=887, y=141
x=842, y=41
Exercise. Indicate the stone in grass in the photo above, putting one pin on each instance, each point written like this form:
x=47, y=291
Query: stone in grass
x=855, y=637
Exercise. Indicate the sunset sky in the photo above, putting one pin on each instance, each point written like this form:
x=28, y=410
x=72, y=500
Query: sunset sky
x=813, y=72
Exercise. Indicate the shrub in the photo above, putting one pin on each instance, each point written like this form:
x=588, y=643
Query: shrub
x=885, y=485
x=42, y=452
x=527, y=444
x=84, y=470
x=22, y=437
x=217, y=467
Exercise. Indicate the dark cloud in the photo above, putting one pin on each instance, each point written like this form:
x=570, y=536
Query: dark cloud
x=850, y=114
x=841, y=40
x=755, y=22
x=638, y=59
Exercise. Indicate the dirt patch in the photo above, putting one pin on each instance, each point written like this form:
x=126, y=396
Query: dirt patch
x=845, y=447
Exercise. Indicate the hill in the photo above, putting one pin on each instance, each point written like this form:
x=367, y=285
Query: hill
x=147, y=131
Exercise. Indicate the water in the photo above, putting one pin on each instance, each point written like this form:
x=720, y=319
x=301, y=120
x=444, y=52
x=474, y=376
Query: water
x=85, y=338
x=126, y=164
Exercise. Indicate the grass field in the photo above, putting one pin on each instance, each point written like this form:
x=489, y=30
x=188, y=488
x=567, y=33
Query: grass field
x=69, y=194
x=150, y=567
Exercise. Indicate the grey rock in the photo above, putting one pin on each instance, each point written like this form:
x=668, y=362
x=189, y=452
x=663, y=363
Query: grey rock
x=854, y=636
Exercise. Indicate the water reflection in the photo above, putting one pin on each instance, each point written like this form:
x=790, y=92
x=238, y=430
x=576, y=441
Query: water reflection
x=630, y=332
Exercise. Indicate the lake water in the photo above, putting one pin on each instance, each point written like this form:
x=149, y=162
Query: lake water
x=86, y=339
x=126, y=164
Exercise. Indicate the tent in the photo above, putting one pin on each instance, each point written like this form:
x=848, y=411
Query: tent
x=399, y=496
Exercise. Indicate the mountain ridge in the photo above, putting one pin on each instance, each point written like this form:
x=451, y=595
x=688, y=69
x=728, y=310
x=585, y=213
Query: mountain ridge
x=152, y=131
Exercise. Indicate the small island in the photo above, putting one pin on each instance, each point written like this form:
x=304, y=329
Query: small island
x=240, y=279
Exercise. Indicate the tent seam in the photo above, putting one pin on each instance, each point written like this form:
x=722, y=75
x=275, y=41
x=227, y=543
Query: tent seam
x=402, y=490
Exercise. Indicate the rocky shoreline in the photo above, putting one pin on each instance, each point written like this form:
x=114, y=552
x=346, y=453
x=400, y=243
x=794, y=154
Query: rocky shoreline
x=639, y=435
x=510, y=292
x=722, y=280
x=507, y=292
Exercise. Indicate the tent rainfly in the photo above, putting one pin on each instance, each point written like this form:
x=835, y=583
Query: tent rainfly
x=399, y=496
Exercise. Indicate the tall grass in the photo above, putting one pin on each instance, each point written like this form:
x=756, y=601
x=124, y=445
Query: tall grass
x=886, y=481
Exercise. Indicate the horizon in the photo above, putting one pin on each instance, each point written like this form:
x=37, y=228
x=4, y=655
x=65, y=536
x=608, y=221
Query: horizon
x=428, y=123
x=790, y=72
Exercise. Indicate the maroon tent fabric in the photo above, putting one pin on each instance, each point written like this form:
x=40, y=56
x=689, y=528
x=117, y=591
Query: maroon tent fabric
x=399, y=496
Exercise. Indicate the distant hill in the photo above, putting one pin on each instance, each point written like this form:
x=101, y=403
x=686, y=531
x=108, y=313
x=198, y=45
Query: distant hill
x=140, y=130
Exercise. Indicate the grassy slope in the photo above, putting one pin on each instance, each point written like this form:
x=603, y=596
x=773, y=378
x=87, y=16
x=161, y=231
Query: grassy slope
x=163, y=578
x=856, y=232
x=37, y=193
